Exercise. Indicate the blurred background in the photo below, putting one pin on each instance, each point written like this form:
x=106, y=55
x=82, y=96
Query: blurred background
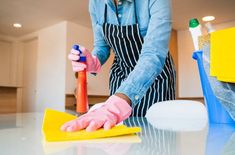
x=35, y=72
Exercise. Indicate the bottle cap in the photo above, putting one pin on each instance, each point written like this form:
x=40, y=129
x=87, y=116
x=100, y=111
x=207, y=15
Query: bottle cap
x=193, y=23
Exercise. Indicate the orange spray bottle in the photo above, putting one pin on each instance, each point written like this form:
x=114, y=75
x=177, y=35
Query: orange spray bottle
x=82, y=101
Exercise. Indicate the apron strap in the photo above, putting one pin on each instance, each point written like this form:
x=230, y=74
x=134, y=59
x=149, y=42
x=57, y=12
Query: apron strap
x=105, y=13
x=136, y=19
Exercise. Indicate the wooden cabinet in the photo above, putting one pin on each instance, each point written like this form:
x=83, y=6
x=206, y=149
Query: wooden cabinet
x=8, y=100
x=10, y=76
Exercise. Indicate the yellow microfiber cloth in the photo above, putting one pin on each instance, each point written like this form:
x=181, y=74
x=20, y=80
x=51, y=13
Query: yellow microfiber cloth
x=53, y=120
x=222, y=58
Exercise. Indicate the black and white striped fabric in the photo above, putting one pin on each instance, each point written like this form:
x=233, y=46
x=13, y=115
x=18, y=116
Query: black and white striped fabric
x=126, y=43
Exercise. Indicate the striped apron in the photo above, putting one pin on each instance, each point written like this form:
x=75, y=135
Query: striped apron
x=126, y=43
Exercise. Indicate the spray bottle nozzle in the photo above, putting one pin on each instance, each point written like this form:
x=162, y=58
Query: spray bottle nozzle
x=76, y=47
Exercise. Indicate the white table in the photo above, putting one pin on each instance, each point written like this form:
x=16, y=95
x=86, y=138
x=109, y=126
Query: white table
x=20, y=134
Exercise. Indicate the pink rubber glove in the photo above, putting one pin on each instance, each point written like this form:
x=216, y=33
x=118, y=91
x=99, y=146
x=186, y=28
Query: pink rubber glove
x=92, y=62
x=111, y=113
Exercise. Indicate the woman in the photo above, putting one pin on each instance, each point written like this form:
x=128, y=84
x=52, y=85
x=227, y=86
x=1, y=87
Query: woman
x=142, y=72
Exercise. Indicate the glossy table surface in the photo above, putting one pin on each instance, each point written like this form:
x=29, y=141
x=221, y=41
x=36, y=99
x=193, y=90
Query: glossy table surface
x=20, y=134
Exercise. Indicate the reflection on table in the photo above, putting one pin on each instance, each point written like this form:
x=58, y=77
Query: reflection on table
x=21, y=134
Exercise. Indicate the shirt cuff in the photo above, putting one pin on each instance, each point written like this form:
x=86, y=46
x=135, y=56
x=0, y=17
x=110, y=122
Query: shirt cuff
x=131, y=93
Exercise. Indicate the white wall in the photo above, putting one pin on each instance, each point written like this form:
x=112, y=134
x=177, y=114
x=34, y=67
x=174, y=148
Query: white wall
x=30, y=48
x=97, y=85
x=51, y=67
x=189, y=82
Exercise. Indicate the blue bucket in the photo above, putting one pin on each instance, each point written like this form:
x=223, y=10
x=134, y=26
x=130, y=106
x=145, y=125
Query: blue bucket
x=216, y=112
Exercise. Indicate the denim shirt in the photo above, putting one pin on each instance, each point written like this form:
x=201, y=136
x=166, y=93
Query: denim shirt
x=154, y=20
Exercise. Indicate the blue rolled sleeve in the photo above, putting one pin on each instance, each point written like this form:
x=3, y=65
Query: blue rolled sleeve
x=101, y=48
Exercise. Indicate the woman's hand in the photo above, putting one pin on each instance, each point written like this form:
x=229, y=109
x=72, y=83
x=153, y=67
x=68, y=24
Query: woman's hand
x=92, y=62
x=108, y=115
